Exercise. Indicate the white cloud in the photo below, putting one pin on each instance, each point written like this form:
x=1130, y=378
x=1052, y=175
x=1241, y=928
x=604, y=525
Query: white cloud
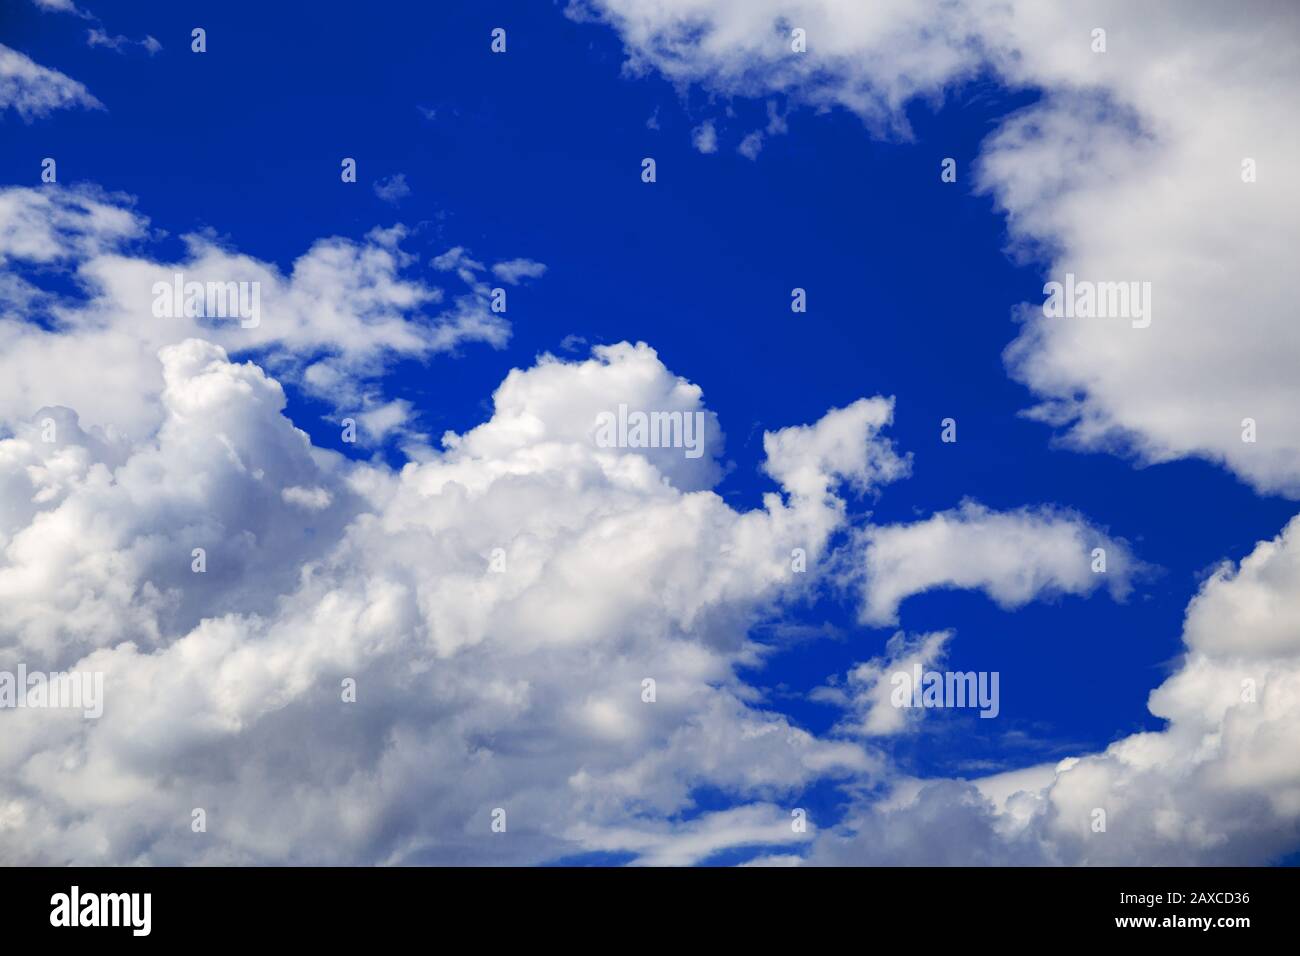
x=311, y=499
x=458, y=259
x=685, y=844
x=809, y=460
x=751, y=145
x=1252, y=611
x=61, y=6
x=379, y=421
x=99, y=36
x=705, y=138
x=1015, y=557
x=516, y=270
x=867, y=691
x=552, y=406
x=96, y=36
x=476, y=689
x=33, y=90
x=392, y=189
x=775, y=859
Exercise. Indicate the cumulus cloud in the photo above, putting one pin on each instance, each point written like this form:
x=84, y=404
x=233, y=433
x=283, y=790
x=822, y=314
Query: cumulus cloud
x=87, y=566
x=499, y=606
x=1014, y=556
x=477, y=688
x=808, y=460
x=551, y=406
x=32, y=90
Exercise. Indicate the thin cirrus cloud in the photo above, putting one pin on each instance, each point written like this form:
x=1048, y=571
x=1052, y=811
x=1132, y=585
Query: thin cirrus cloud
x=120, y=44
x=99, y=36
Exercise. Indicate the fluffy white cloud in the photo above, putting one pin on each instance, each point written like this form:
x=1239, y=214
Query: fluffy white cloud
x=1015, y=557
x=485, y=678
x=477, y=688
x=807, y=459
x=33, y=90
x=553, y=406
x=98, y=533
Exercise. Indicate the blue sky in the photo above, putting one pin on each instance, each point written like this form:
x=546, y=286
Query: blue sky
x=912, y=286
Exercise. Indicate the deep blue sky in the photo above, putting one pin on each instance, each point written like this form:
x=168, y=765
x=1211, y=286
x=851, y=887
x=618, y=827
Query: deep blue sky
x=537, y=153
